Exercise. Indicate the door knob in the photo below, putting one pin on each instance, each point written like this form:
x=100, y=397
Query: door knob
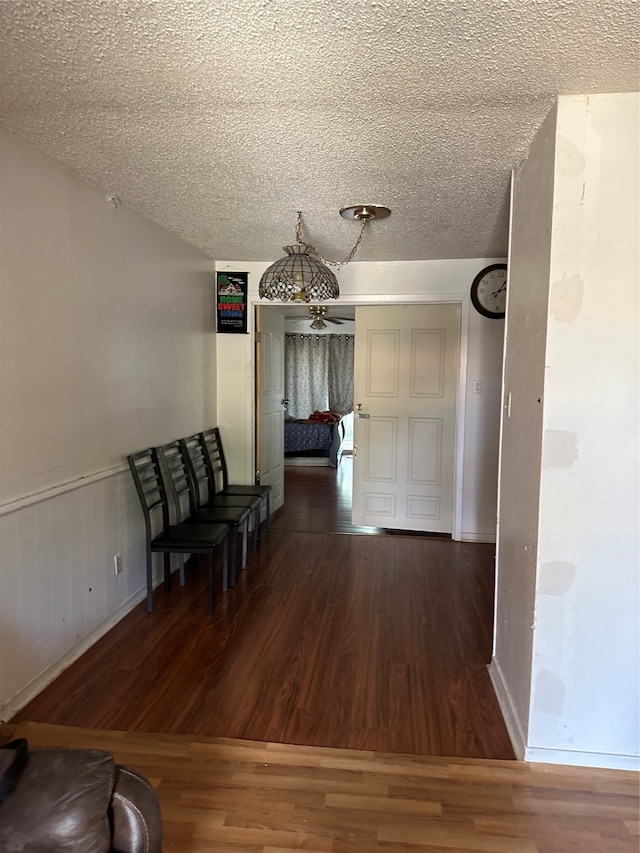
x=284, y=401
x=359, y=407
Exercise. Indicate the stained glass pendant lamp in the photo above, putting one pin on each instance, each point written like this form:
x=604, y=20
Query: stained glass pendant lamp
x=303, y=274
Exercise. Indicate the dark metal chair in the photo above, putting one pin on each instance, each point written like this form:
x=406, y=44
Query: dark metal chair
x=236, y=518
x=204, y=489
x=211, y=442
x=173, y=538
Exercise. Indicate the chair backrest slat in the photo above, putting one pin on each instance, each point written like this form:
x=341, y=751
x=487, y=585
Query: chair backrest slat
x=145, y=469
x=204, y=488
x=173, y=463
x=211, y=444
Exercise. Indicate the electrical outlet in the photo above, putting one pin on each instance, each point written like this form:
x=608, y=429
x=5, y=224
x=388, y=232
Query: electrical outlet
x=117, y=563
x=477, y=386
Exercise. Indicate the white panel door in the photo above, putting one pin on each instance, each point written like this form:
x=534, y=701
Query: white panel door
x=270, y=406
x=406, y=365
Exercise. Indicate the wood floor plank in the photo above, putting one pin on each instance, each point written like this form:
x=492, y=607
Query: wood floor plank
x=221, y=795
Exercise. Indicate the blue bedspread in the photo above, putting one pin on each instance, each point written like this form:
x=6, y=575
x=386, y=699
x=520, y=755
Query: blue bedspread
x=300, y=437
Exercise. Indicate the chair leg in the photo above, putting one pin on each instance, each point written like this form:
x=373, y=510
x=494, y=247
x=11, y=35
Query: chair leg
x=167, y=572
x=181, y=569
x=233, y=533
x=245, y=536
x=210, y=603
x=256, y=532
x=269, y=512
x=149, y=581
x=225, y=564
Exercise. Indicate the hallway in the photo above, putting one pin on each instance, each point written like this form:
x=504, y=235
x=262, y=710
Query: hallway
x=355, y=641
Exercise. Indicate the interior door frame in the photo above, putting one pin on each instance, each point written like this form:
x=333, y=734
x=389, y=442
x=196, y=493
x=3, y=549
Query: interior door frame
x=257, y=391
x=462, y=301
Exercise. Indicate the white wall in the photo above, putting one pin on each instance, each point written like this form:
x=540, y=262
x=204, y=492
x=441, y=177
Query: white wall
x=379, y=283
x=585, y=669
x=525, y=341
x=107, y=346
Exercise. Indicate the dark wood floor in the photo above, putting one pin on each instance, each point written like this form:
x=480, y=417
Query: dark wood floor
x=318, y=499
x=368, y=642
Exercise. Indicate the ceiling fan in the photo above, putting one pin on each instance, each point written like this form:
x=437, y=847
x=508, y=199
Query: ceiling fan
x=319, y=315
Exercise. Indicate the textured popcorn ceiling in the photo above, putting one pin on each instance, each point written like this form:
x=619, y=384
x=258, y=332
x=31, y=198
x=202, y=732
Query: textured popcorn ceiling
x=219, y=120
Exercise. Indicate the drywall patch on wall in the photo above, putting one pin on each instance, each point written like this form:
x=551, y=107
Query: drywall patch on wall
x=549, y=693
x=569, y=158
x=565, y=301
x=556, y=577
x=560, y=449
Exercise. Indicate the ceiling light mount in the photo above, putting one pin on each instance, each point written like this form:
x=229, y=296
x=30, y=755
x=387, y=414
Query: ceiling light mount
x=365, y=212
x=303, y=275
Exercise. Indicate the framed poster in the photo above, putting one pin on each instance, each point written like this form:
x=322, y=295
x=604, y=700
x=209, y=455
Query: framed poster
x=231, y=292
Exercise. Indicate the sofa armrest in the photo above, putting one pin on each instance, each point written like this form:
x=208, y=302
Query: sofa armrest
x=137, y=826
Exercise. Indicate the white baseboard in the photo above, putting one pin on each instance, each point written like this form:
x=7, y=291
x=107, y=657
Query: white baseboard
x=43, y=679
x=543, y=755
x=582, y=759
x=511, y=719
x=479, y=537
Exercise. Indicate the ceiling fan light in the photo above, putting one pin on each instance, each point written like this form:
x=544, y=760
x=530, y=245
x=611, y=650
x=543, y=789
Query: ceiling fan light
x=299, y=276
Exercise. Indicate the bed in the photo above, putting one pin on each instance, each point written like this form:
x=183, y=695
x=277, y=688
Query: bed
x=307, y=440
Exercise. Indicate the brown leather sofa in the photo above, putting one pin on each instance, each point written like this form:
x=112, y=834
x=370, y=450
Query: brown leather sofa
x=79, y=801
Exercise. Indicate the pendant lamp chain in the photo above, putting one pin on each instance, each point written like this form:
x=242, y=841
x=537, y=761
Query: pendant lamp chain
x=365, y=221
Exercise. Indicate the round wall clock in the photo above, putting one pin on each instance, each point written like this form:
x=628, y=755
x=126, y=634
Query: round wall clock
x=489, y=291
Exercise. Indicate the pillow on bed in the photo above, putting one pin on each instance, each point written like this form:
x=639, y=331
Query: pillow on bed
x=325, y=417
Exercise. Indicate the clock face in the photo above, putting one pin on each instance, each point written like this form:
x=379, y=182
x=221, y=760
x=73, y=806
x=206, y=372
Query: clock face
x=489, y=291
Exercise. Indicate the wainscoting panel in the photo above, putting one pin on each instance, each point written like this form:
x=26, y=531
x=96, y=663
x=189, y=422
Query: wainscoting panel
x=59, y=589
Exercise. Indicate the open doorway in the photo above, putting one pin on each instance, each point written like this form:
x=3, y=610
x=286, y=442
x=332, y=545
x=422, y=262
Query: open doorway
x=301, y=407
x=319, y=372
x=328, y=440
